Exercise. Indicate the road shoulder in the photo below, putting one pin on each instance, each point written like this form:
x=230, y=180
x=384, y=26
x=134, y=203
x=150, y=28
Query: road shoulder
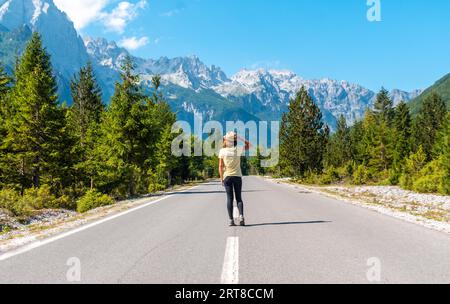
x=42, y=230
x=430, y=211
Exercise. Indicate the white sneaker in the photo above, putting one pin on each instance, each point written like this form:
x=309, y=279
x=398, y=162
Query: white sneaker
x=241, y=221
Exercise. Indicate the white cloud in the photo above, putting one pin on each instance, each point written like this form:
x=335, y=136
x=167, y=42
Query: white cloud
x=85, y=12
x=134, y=43
x=125, y=12
x=82, y=12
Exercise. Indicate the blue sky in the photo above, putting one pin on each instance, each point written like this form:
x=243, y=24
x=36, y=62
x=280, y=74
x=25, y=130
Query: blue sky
x=408, y=49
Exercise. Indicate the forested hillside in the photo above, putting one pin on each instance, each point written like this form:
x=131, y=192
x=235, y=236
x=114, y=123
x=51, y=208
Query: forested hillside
x=389, y=146
x=86, y=155
x=441, y=87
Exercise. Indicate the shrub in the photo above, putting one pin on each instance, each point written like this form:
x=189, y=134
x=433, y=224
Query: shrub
x=331, y=175
x=427, y=184
x=394, y=177
x=347, y=171
x=310, y=178
x=361, y=175
x=157, y=181
x=414, y=164
x=39, y=198
x=11, y=201
x=444, y=187
x=431, y=178
x=63, y=202
x=93, y=199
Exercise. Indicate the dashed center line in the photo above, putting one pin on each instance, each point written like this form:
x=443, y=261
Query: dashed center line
x=230, y=271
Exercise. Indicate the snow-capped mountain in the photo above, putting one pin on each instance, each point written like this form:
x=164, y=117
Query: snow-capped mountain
x=191, y=86
x=274, y=89
x=106, y=53
x=58, y=33
x=186, y=72
x=264, y=93
x=398, y=95
x=19, y=18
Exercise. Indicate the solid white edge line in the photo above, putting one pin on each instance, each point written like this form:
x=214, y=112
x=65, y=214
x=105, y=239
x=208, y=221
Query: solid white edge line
x=230, y=271
x=49, y=240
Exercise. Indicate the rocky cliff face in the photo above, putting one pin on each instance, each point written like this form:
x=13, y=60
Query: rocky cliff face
x=191, y=86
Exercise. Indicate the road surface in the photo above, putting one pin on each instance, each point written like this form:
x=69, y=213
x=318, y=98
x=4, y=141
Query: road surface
x=291, y=237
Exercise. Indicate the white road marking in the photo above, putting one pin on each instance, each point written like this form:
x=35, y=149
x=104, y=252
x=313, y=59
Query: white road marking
x=37, y=244
x=230, y=271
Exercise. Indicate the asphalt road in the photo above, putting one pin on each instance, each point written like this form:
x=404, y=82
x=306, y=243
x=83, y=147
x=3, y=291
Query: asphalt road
x=291, y=237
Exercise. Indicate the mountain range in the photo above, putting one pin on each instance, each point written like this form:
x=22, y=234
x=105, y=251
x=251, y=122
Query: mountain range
x=190, y=86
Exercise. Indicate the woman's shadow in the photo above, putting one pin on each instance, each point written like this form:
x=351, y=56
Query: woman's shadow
x=288, y=223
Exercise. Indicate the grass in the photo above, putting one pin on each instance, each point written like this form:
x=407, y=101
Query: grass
x=436, y=215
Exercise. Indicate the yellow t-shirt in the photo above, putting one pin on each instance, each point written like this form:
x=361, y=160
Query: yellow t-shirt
x=232, y=160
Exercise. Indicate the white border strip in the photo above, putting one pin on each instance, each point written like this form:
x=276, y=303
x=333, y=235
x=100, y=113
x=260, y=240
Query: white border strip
x=230, y=271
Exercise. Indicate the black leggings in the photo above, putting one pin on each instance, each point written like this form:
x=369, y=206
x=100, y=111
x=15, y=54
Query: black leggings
x=233, y=185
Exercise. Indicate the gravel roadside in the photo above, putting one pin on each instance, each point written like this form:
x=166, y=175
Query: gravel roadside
x=429, y=210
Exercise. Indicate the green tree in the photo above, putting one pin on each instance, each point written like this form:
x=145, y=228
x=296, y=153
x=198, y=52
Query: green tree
x=124, y=135
x=256, y=163
x=384, y=106
x=338, y=149
x=356, y=135
x=5, y=83
x=85, y=117
x=428, y=123
x=442, y=150
x=402, y=133
x=5, y=111
x=376, y=144
x=87, y=102
x=5, y=88
x=36, y=131
x=303, y=136
x=414, y=164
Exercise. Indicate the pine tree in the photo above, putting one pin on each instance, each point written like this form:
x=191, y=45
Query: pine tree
x=402, y=134
x=414, y=164
x=356, y=134
x=428, y=123
x=5, y=88
x=256, y=163
x=384, y=106
x=442, y=150
x=126, y=134
x=303, y=136
x=161, y=122
x=87, y=102
x=85, y=115
x=36, y=130
x=5, y=82
x=5, y=111
x=369, y=138
x=338, y=148
x=376, y=144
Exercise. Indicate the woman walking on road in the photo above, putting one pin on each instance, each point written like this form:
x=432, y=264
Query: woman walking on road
x=231, y=173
